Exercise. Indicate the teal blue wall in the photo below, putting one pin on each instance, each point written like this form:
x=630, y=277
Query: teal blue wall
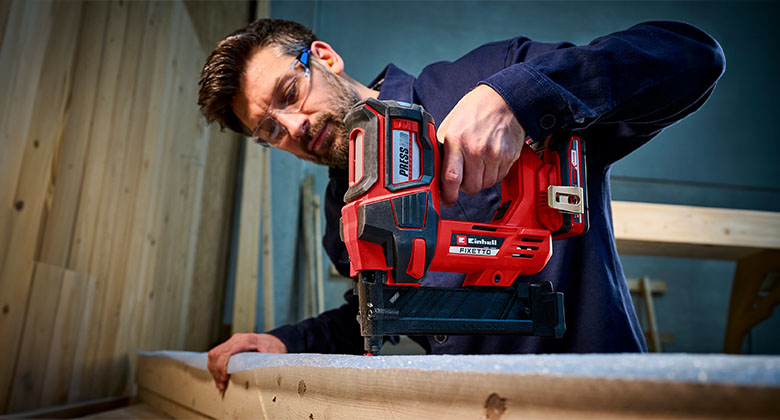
x=723, y=156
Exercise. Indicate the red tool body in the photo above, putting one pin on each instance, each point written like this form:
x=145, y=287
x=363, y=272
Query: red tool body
x=396, y=165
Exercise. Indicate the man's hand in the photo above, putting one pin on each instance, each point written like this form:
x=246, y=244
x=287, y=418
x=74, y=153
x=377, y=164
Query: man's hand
x=238, y=343
x=482, y=139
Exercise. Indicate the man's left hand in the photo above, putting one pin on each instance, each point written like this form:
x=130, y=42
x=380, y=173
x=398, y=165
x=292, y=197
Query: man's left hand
x=482, y=139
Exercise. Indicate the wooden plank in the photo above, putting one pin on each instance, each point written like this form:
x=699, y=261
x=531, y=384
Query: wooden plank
x=135, y=411
x=268, y=244
x=245, y=285
x=30, y=370
x=26, y=35
x=30, y=179
x=70, y=411
x=214, y=229
x=180, y=187
x=77, y=387
x=194, y=389
x=314, y=391
x=138, y=311
x=688, y=231
x=93, y=234
x=749, y=305
x=193, y=155
x=119, y=187
x=311, y=244
x=657, y=287
x=652, y=328
x=170, y=408
x=71, y=315
x=158, y=153
x=17, y=95
x=55, y=247
x=319, y=279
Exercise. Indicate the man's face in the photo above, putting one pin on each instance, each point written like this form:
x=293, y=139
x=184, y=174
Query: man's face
x=315, y=133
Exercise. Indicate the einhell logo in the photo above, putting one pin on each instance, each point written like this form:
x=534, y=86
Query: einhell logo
x=482, y=242
x=476, y=241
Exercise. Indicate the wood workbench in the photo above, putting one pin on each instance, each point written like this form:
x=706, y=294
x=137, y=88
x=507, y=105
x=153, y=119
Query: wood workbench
x=597, y=386
x=751, y=238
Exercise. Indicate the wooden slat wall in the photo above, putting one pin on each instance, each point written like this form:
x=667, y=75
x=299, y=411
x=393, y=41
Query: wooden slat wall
x=115, y=198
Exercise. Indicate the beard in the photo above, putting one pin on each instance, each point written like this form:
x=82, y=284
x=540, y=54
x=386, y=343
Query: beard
x=336, y=151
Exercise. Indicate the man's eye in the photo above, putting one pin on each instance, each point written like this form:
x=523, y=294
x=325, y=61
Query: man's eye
x=292, y=93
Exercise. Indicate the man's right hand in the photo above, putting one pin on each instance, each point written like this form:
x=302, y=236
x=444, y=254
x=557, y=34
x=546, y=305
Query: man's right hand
x=239, y=343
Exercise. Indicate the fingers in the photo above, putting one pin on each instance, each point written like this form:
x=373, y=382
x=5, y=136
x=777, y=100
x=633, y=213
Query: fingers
x=219, y=356
x=217, y=365
x=481, y=139
x=451, y=174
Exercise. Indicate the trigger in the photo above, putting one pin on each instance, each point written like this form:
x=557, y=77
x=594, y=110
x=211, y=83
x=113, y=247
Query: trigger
x=416, y=267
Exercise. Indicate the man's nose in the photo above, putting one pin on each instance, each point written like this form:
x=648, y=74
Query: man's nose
x=297, y=124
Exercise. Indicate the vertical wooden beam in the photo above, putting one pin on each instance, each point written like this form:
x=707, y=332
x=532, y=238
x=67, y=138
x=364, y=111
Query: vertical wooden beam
x=313, y=300
x=652, y=327
x=268, y=244
x=245, y=285
x=747, y=307
x=320, y=285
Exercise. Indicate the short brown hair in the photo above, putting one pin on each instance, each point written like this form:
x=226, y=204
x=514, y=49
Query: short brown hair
x=220, y=79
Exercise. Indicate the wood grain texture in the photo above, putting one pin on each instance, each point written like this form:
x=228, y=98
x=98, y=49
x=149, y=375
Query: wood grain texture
x=688, y=231
x=18, y=86
x=109, y=174
x=72, y=314
x=269, y=297
x=33, y=173
x=245, y=285
x=749, y=305
x=300, y=392
x=134, y=411
x=39, y=327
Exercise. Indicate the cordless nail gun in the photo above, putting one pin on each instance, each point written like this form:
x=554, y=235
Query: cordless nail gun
x=394, y=233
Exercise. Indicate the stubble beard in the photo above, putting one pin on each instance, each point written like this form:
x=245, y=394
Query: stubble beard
x=344, y=98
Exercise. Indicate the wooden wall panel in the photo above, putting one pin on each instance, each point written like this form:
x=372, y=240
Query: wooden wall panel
x=25, y=163
x=115, y=199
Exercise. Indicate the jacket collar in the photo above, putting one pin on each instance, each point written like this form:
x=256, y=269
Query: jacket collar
x=394, y=83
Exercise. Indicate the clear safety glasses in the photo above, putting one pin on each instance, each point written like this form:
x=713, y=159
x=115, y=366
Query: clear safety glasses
x=290, y=93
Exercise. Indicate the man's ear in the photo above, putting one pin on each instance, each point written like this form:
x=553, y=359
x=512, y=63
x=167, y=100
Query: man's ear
x=328, y=56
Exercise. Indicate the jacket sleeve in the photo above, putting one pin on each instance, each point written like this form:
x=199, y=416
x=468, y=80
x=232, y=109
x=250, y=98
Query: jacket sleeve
x=332, y=332
x=627, y=86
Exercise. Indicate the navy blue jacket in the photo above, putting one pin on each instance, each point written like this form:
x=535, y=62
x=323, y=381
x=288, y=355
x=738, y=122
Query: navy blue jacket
x=617, y=92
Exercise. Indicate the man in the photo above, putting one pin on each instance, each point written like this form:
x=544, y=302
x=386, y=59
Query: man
x=275, y=82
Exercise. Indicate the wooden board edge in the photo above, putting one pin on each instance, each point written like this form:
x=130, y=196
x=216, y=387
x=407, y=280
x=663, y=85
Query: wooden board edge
x=352, y=393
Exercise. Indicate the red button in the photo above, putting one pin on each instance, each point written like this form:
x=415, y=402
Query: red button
x=416, y=267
